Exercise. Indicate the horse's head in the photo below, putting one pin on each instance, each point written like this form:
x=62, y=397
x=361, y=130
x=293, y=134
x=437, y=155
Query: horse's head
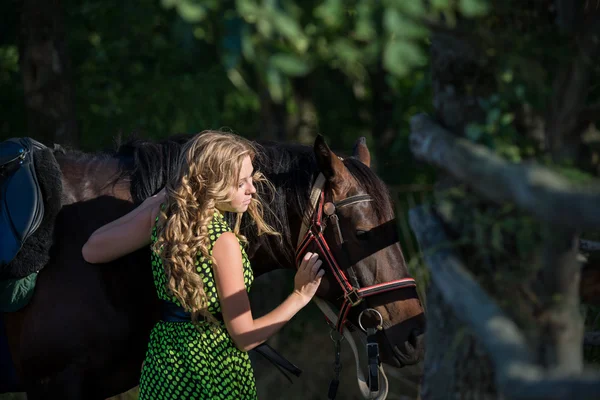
x=360, y=232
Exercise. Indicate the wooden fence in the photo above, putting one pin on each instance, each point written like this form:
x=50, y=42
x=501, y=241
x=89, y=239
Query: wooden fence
x=564, y=210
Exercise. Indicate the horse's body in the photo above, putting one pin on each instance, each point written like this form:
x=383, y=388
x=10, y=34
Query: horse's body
x=85, y=331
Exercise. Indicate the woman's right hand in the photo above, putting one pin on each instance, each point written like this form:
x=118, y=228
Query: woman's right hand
x=308, y=277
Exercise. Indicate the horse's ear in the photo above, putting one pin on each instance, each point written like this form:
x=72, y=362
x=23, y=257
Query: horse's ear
x=329, y=164
x=361, y=151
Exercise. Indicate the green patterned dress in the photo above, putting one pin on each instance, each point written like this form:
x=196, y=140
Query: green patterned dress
x=183, y=362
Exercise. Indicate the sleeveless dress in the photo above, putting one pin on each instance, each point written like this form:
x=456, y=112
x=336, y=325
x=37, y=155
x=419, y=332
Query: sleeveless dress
x=188, y=362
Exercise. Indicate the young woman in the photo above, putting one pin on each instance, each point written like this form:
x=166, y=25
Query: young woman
x=202, y=274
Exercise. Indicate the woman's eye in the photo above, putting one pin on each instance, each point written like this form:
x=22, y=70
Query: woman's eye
x=241, y=184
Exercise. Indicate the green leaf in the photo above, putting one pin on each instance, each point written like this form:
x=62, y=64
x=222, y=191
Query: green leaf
x=365, y=29
x=520, y=91
x=248, y=9
x=392, y=60
x=399, y=56
x=507, y=76
x=412, y=8
x=247, y=43
x=264, y=27
x=238, y=81
x=474, y=132
x=331, y=12
x=497, y=239
x=290, y=29
x=190, y=11
x=440, y=4
x=396, y=23
x=275, y=84
x=493, y=116
x=290, y=64
x=507, y=118
x=346, y=50
x=473, y=8
x=168, y=3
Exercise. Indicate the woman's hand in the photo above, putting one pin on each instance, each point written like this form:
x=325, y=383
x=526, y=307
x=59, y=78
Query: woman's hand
x=308, y=277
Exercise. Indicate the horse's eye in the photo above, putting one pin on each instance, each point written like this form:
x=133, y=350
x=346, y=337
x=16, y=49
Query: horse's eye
x=361, y=234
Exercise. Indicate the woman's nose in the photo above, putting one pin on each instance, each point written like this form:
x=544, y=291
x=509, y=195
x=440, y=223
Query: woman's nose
x=251, y=189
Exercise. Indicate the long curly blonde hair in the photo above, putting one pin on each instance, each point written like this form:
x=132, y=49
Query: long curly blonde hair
x=207, y=171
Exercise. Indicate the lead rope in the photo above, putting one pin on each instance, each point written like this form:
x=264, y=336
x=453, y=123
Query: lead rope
x=337, y=365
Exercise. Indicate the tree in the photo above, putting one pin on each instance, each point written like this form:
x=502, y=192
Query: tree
x=46, y=72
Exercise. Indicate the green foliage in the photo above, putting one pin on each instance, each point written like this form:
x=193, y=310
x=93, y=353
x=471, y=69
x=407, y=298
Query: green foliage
x=473, y=8
x=498, y=131
x=350, y=36
x=152, y=75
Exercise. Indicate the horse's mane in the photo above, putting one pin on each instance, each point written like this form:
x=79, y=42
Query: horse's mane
x=290, y=167
x=148, y=164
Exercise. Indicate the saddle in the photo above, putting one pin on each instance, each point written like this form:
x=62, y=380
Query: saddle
x=21, y=200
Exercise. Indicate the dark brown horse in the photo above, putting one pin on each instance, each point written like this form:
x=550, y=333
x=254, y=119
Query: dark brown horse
x=84, y=333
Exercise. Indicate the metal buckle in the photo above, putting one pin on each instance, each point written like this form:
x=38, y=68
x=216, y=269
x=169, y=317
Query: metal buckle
x=378, y=327
x=353, y=297
x=317, y=228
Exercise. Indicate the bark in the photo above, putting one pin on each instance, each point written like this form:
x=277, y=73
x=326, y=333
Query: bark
x=382, y=114
x=303, y=123
x=272, y=117
x=46, y=69
x=568, y=116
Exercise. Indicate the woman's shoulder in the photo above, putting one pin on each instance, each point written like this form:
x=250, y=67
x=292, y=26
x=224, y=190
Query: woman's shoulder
x=227, y=247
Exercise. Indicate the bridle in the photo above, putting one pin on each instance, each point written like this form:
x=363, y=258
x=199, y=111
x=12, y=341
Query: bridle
x=354, y=294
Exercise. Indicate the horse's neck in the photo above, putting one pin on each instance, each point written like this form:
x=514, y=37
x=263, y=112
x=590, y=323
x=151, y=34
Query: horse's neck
x=89, y=178
x=282, y=257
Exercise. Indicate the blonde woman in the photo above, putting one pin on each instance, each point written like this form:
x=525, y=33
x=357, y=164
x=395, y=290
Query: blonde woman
x=202, y=274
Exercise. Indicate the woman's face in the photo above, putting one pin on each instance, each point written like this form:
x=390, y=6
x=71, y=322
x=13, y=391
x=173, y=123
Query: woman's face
x=242, y=191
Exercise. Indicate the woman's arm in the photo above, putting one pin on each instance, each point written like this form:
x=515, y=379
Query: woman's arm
x=124, y=235
x=246, y=331
x=158, y=198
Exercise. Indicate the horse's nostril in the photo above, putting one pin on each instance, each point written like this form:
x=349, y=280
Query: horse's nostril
x=412, y=350
x=414, y=337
